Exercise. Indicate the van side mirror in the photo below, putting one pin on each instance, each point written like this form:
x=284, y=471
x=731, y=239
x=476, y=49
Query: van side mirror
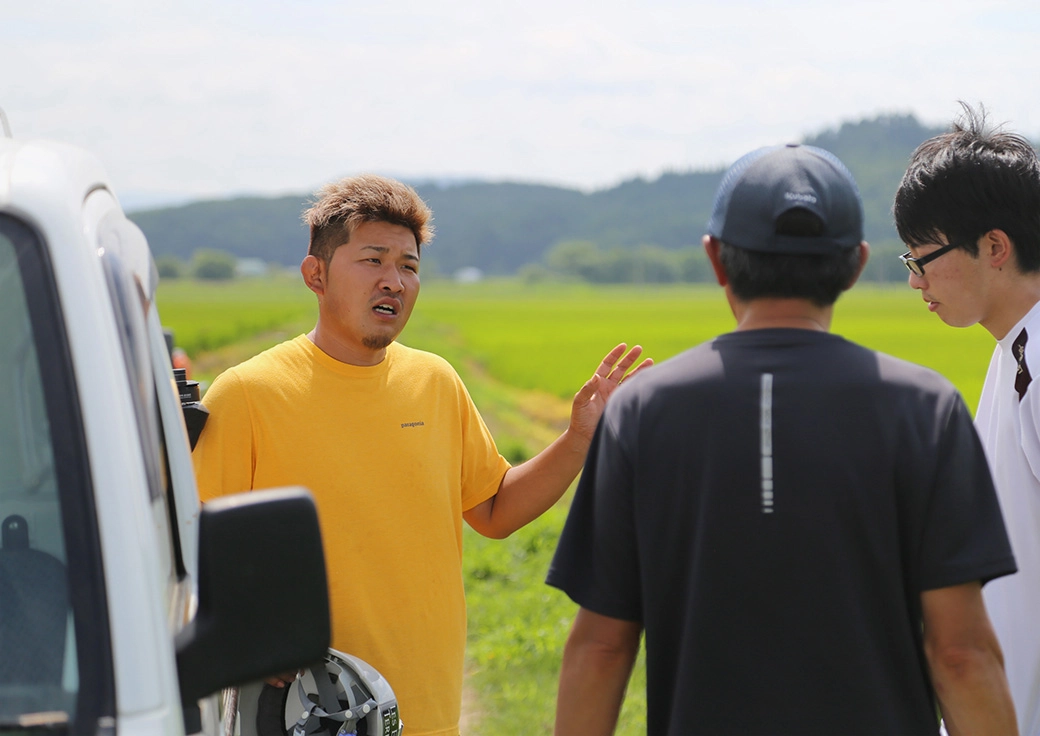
x=263, y=596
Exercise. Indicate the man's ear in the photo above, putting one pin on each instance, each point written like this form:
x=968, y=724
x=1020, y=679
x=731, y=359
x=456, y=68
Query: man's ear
x=997, y=248
x=711, y=247
x=314, y=274
x=864, y=256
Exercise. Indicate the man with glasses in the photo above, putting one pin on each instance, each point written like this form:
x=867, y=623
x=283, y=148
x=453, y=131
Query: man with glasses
x=800, y=525
x=969, y=209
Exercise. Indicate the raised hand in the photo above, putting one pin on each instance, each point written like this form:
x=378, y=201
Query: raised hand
x=590, y=401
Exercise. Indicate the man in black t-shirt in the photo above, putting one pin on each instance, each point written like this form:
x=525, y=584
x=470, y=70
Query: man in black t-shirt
x=800, y=525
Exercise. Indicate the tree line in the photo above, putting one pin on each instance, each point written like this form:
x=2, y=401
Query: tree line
x=640, y=230
x=205, y=264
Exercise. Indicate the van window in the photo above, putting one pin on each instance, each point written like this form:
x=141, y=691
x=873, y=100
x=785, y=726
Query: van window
x=130, y=309
x=55, y=665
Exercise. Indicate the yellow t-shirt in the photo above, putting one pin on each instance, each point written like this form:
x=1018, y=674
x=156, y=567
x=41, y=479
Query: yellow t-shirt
x=393, y=453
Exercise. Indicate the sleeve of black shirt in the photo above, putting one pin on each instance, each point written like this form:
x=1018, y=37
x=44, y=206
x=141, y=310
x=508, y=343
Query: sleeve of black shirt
x=964, y=537
x=596, y=561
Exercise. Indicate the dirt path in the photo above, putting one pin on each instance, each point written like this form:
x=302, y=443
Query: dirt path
x=469, y=724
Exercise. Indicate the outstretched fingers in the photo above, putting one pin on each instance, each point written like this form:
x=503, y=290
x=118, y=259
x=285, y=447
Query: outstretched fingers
x=607, y=365
x=612, y=370
x=615, y=366
x=592, y=397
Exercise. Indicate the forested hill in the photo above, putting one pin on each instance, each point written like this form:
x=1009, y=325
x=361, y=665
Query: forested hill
x=501, y=227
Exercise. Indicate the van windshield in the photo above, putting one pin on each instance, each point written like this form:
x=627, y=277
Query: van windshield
x=41, y=615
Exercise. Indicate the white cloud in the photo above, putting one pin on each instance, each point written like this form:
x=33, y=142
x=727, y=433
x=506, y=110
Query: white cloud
x=227, y=96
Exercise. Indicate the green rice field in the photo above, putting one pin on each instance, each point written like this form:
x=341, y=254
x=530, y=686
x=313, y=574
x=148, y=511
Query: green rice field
x=523, y=351
x=551, y=337
x=548, y=337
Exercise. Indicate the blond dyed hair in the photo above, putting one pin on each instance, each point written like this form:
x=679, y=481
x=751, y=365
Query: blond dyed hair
x=340, y=207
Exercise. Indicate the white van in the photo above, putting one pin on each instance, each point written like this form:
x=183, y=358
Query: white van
x=123, y=605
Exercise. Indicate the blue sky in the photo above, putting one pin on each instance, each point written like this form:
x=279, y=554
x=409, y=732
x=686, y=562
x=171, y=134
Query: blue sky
x=208, y=99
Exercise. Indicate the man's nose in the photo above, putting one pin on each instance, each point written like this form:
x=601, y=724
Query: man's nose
x=391, y=280
x=916, y=282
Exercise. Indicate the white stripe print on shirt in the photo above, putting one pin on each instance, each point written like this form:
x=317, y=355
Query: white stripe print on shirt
x=766, y=434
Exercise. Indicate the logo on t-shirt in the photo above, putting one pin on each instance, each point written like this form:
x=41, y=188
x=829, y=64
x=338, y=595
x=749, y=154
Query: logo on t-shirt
x=406, y=425
x=1024, y=378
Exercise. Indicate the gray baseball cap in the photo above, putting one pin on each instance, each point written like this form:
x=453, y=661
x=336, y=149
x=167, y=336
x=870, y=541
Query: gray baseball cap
x=768, y=182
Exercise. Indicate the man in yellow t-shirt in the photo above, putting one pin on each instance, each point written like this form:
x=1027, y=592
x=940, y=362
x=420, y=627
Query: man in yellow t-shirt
x=391, y=445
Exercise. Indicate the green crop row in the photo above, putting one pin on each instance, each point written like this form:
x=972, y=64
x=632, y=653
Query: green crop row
x=551, y=338
x=207, y=315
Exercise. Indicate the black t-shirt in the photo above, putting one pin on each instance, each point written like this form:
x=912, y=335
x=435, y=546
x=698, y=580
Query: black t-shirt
x=770, y=505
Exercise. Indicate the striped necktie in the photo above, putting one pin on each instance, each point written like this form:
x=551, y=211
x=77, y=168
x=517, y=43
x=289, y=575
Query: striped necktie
x=1018, y=349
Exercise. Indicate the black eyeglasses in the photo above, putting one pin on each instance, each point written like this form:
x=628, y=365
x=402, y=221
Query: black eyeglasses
x=916, y=265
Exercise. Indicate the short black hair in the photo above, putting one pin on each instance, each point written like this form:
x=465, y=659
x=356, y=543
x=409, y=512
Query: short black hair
x=971, y=180
x=818, y=278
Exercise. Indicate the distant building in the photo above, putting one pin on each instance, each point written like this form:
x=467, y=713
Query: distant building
x=469, y=275
x=250, y=267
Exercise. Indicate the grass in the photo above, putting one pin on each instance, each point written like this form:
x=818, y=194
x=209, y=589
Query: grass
x=209, y=316
x=523, y=352
x=550, y=337
x=517, y=629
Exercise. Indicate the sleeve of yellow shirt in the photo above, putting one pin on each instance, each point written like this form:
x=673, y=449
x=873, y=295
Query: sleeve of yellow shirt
x=483, y=466
x=224, y=457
